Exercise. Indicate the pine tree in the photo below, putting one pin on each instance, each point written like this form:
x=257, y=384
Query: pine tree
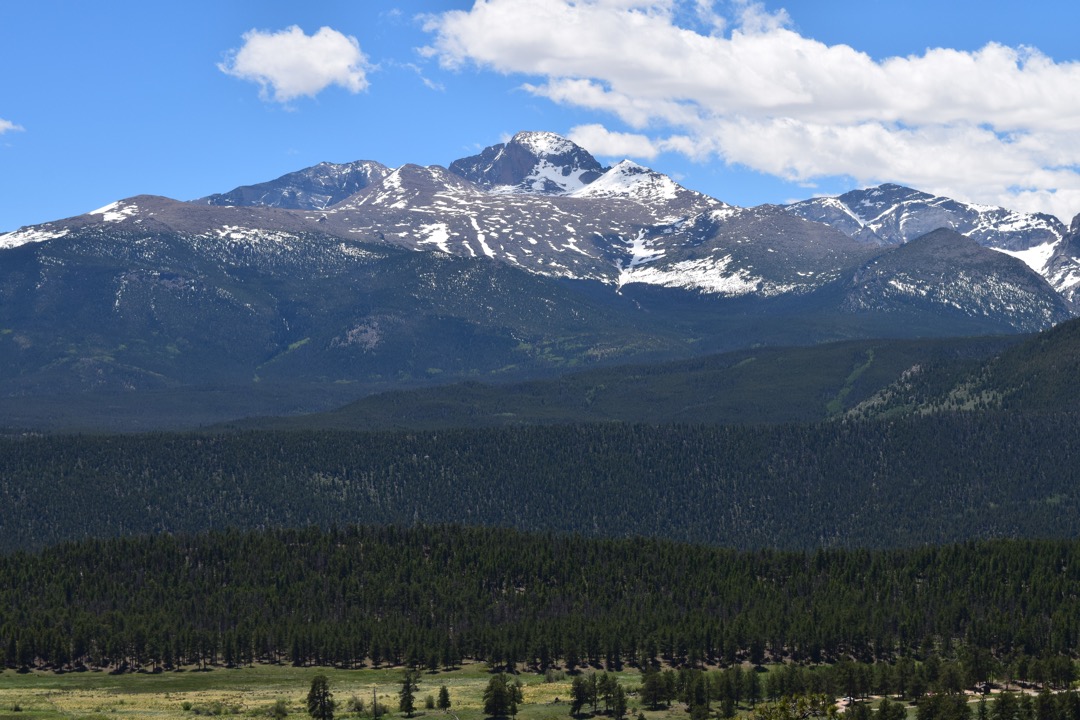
x=320, y=702
x=500, y=697
x=618, y=702
x=579, y=694
x=443, y=702
x=407, y=694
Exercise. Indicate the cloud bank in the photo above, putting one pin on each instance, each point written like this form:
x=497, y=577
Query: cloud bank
x=289, y=64
x=999, y=125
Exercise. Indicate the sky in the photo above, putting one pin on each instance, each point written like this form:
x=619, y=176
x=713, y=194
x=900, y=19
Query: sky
x=750, y=102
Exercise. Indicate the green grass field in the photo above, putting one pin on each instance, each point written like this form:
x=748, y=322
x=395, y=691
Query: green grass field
x=251, y=692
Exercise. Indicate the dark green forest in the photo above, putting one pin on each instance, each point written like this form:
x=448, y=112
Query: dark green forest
x=887, y=483
x=920, y=548
x=747, y=387
x=432, y=596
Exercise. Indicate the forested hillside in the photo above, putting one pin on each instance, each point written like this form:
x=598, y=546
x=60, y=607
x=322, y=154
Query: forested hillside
x=1039, y=375
x=435, y=595
x=936, y=479
x=763, y=385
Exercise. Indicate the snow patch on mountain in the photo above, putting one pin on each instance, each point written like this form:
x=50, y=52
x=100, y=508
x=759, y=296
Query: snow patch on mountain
x=252, y=236
x=1034, y=257
x=642, y=251
x=116, y=211
x=544, y=144
x=547, y=178
x=710, y=275
x=437, y=234
x=22, y=236
x=630, y=180
x=481, y=238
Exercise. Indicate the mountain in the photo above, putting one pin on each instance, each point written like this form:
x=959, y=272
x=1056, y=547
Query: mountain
x=1062, y=269
x=955, y=276
x=755, y=386
x=623, y=226
x=892, y=214
x=312, y=188
x=338, y=281
x=531, y=162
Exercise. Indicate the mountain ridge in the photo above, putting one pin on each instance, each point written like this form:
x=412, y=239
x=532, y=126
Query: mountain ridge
x=423, y=276
x=365, y=200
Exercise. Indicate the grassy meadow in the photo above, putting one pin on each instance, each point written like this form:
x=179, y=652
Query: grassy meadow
x=252, y=691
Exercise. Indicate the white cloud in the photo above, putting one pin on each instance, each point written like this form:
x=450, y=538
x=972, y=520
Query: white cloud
x=997, y=125
x=8, y=126
x=600, y=141
x=289, y=64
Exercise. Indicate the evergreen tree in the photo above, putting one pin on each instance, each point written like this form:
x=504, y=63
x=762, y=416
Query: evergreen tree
x=1005, y=707
x=579, y=694
x=618, y=702
x=888, y=710
x=500, y=697
x=652, y=689
x=751, y=687
x=320, y=701
x=407, y=694
x=859, y=711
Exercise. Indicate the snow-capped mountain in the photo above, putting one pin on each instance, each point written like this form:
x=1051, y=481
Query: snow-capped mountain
x=955, y=275
x=892, y=214
x=527, y=258
x=531, y=162
x=569, y=234
x=543, y=204
x=1062, y=268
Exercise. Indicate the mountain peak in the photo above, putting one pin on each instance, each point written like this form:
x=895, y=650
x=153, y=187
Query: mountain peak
x=533, y=162
x=313, y=188
x=542, y=143
x=627, y=179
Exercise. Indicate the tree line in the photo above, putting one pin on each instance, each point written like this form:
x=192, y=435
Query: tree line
x=432, y=596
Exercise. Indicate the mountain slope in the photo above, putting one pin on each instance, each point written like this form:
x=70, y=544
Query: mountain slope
x=129, y=311
x=764, y=385
x=1039, y=375
x=312, y=188
x=892, y=214
x=955, y=276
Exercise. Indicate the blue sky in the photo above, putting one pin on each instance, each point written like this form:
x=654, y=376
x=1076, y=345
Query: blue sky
x=749, y=102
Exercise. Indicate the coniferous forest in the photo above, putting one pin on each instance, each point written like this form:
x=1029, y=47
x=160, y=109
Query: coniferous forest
x=876, y=484
x=433, y=596
x=901, y=553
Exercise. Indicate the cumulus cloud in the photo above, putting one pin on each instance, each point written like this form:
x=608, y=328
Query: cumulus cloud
x=289, y=64
x=8, y=126
x=600, y=141
x=998, y=125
